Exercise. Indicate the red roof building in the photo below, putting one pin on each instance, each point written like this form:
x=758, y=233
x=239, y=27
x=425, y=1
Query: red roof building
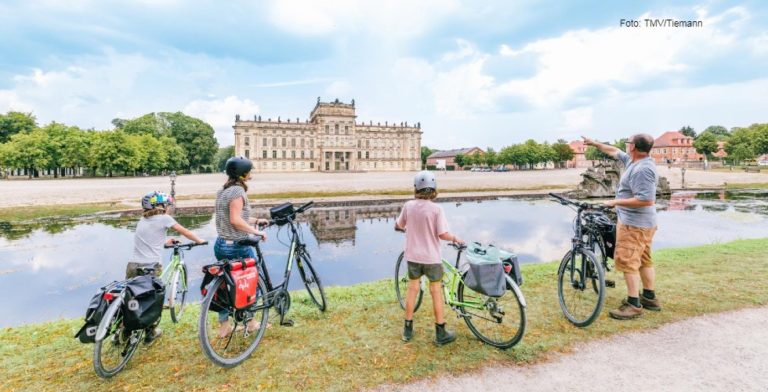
x=673, y=146
x=579, y=160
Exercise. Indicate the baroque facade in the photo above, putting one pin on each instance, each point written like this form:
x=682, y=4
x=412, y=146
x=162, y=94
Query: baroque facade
x=330, y=140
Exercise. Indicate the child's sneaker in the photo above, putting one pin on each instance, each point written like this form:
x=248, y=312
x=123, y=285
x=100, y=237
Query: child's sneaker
x=408, y=331
x=152, y=335
x=442, y=335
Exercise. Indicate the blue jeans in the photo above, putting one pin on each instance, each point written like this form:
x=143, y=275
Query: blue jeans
x=224, y=251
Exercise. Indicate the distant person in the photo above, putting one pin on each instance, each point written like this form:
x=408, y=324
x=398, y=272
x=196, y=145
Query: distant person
x=234, y=223
x=635, y=206
x=425, y=225
x=149, y=239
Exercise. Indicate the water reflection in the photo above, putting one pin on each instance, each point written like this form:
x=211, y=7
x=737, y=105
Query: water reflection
x=55, y=266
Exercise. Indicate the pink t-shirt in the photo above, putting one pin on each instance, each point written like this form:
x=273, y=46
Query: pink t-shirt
x=424, y=221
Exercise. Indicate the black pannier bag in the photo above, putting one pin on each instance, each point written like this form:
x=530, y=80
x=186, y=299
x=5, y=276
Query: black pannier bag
x=486, y=273
x=280, y=214
x=607, y=229
x=143, y=302
x=96, y=309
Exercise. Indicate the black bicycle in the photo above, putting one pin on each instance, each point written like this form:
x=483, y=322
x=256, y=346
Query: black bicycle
x=230, y=349
x=581, y=279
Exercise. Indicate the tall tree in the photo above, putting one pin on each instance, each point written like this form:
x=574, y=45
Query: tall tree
x=460, y=160
x=705, y=144
x=12, y=123
x=222, y=155
x=425, y=153
x=720, y=132
x=490, y=158
x=563, y=152
x=688, y=131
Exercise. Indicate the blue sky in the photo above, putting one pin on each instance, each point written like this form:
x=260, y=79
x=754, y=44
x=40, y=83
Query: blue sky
x=488, y=73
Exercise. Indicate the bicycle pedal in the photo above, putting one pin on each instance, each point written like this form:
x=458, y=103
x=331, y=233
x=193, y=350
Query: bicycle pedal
x=610, y=283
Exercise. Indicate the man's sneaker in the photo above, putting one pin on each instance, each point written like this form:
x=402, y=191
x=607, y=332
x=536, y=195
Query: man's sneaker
x=152, y=335
x=650, y=304
x=626, y=311
x=442, y=335
x=407, y=331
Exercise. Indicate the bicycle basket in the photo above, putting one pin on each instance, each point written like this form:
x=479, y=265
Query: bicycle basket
x=486, y=273
x=282, y=213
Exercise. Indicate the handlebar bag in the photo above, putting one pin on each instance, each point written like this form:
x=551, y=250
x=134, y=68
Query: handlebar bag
x=96, y=309
x=143, y=303
x=280, y=214
x=486, y=273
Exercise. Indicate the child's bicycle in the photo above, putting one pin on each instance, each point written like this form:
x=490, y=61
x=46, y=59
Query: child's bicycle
x=498, y=321
x=115, y=345
x=175, y=278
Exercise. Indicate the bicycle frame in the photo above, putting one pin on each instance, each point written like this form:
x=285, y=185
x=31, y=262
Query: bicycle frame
x=292, y=254
x=175, y=263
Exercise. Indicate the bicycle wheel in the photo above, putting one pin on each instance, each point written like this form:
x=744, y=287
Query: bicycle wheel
x=401, y=283
x=498, y=321
x=311, y=281
x=228, y=347
x=177, y=295
x=581, y=297
x=115, y=349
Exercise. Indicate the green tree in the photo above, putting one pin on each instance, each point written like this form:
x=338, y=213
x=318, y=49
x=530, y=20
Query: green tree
x=720, y=132
x=12, y=123
x=688, y=131
x=425, y=153
x=194, y=136
x=112, y=152
x=490, y=158
x=563, y=152
x=706, y=144
x=460, y=160
x=222, y=155
x=760, y=135
x=740, y=144
x=28, y=150
x=76, y=148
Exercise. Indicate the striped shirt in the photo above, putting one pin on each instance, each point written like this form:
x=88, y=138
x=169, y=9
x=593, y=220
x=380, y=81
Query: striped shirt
x=223, y=226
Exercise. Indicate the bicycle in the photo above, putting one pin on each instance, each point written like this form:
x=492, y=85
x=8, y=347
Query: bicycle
x=581, y=274
x=114, y=346
x=472, y=306
x=175, y=275
x=230, y=350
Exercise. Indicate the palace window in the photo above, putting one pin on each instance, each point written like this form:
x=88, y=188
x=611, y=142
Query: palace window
x=247, y=141
x=247, y=153
x=283, y=142
x=293, y=142
x=302, y=154
x=366, y=155
x=311, y=155
x=264, y=141
x=336, y=129
x=283, y=154
x=274, y=154
x=274, y=142
x=264, y=154
x=327, y=129
x=293, y=154
x=359, y=155
x=302, y=140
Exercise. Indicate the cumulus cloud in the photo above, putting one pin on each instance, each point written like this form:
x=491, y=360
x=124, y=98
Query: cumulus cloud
x=220, y=114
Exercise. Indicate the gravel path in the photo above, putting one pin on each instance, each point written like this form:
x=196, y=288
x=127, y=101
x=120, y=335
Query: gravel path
x=90, y=190
x=721, y=352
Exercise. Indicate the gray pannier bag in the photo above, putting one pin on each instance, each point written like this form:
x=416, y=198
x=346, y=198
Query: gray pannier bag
x=486, y=273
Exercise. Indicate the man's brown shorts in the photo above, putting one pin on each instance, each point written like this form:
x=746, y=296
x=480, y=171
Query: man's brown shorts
x=633, y=248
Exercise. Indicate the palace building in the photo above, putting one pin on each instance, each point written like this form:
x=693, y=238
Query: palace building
x=330, y=140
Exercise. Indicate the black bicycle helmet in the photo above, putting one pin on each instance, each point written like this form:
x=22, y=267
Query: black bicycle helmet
x=237, y=167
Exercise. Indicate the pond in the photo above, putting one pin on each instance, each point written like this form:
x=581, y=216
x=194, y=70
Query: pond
x=49, y=270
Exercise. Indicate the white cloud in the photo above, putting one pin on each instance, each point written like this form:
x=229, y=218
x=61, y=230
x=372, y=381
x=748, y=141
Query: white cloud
x=220, y=114
x=394, y=18
x=577, y=119
x=339, y=88
x=10, y=101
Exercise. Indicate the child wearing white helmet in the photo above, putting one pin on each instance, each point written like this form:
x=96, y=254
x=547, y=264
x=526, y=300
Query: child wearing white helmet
x=149, y=239
x=426, y=226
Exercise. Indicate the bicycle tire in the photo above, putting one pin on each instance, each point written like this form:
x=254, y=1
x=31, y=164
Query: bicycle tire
x=115, y=343
x=310, y=278
x=592, y=292
x=179, y=276
x=217, y=354
x=494, y=311
x=401, y=283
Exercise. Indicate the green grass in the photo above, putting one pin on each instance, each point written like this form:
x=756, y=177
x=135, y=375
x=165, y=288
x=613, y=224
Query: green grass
x=23, y=213
x=356, y=343
x=758, y=185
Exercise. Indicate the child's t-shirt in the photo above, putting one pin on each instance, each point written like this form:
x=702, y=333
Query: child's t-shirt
x=150, y=238
x=424, y=221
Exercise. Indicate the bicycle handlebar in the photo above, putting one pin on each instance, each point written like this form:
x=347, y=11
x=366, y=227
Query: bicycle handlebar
x=188, y=246
x=582, y=205
x=305, y=207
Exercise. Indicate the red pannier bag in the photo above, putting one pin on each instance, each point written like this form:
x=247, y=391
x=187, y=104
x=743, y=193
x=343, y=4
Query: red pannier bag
x=245, y=276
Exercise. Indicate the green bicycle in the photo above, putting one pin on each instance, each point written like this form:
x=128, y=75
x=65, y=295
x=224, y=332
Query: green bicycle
x=175, y=278
x=497, y=321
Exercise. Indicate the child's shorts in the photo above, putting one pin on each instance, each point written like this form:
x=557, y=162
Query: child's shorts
x=434, y=272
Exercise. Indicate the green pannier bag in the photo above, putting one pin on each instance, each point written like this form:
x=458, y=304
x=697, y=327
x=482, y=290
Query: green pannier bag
x=486, y=272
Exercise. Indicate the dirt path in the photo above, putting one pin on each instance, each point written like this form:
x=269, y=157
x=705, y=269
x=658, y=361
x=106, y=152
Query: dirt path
x=721, y=352
x=91, y=190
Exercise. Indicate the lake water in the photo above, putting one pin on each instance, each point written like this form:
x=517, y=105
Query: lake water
x=50, y=270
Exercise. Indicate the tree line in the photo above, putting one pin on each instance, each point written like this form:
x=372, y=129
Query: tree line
x=741, y=144
x=150, y=144
x=526, y=155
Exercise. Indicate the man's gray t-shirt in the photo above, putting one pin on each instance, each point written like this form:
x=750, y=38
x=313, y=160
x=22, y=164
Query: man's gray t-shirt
x=150, y=238
x=638, y=180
